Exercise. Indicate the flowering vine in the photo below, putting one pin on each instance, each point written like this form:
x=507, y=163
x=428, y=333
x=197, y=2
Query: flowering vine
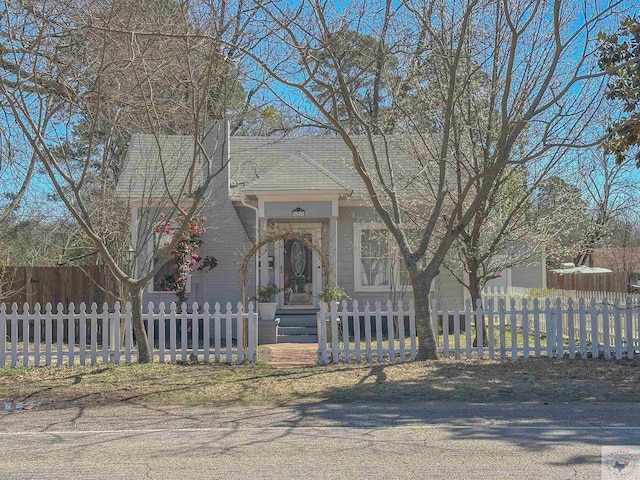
x=183, y=255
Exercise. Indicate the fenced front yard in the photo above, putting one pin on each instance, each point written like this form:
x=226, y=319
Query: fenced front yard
x=69, y=336
x=548, y=328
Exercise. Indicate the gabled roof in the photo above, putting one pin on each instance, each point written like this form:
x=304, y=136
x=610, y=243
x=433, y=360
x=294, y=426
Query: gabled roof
x=291, y=163
x=154, y=165
x=259, y=164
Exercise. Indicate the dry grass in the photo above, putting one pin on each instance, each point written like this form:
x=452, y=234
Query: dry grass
x=538, y=380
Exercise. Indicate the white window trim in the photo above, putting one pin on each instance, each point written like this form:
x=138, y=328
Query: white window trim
x=394, y=275
x=151, y=287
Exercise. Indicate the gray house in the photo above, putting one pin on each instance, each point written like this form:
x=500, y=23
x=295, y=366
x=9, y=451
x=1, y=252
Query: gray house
x=307, y=183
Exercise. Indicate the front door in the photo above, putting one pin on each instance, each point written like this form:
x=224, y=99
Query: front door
x=299, y=270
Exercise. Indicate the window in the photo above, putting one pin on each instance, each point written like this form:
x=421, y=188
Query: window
x=374, y=258
x=378, y=265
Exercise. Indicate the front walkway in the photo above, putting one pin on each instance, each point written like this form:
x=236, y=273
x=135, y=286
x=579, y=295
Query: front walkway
x=291, y=355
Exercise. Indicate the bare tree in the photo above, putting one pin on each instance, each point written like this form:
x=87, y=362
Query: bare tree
x=540, y=82
x=75, y=76
x=611, y=190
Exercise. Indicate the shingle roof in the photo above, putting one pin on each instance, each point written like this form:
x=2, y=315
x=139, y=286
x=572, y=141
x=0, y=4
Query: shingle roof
x=256, y=164
x=295, y=163
x=151, y=163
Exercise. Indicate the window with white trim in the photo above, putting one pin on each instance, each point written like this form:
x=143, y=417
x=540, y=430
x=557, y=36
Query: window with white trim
x=378, y=266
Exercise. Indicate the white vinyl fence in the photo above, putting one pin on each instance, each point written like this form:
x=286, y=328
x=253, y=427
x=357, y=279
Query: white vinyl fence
x=84, y=336
x=549, y=328
x=364, y=334
x=523, y=329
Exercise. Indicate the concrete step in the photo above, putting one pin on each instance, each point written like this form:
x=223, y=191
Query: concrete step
x=298, y=330
x=297, y=338
x=297, y=320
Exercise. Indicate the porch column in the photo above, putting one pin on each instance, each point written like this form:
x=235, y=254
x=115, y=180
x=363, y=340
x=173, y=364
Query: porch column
x=264, y=256
x=333, y=249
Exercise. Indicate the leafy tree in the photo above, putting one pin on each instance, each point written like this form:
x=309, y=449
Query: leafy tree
x=620, y=58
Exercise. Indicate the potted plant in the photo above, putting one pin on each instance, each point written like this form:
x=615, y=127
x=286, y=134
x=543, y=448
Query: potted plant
x=266, y=306
x=332, y=293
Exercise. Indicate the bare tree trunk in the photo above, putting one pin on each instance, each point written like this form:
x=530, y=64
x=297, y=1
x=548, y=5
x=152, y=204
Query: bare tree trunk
x=134, y=295
x=476, y=295
x=428, y=348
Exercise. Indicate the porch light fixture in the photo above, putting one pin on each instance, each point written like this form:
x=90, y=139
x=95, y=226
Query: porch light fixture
x=129, y=255
x=297, y=212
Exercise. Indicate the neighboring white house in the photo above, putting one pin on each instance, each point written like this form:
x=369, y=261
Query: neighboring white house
x=308, y=183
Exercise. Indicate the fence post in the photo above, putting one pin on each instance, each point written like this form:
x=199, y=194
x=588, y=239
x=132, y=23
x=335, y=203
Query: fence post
x=252, y=319
x=3, y=334
x=321, y=318
x=356, y=330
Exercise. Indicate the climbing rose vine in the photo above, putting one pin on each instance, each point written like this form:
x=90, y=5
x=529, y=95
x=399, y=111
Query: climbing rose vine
x=183, y=255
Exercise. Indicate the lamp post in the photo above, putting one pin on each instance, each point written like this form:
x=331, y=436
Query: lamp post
x=130, y=256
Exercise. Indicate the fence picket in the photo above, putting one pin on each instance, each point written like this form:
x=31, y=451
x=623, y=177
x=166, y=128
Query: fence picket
x=217, y=331
x=335, y=347
x=617, y=333
x=239, y=335
x=14, y=334
x=345, y=332
x=583, y=328
x=605, y=329
x=322, y=333
x=105, y=333
x=184, y=332
x=206, y=333
x=525, y=328
x=628, y=316
x=60, y=318
x=412, y=330
x=228, y=333
x=467, y=329
x=491, y=339
x=195, y=325
x=82, y=333
x=115, y=333
x=445, y=328
x=548, y=321
x=456, y=329
x=536, y=328
x=3, y=334
x=151, y=329
x=503, y=327
x=571, y=330
x=127, y=332
x=479, y=331
x=513, y=322
x=367, y=331
x=402, y=350
x=25, y=335
x=252, y=332
x=162, y=341
x=356, y=331
x=379, y=331
x=559, y=352
x=172, y=332
x=390, y=332
x=71, y=336
x=94, y=333
x=37, y=333
x=595, y=340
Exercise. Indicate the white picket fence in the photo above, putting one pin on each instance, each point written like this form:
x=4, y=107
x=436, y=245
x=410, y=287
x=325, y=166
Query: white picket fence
x=338, y=329
x=522, y=329
x=520, y=293
x=68, y=336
